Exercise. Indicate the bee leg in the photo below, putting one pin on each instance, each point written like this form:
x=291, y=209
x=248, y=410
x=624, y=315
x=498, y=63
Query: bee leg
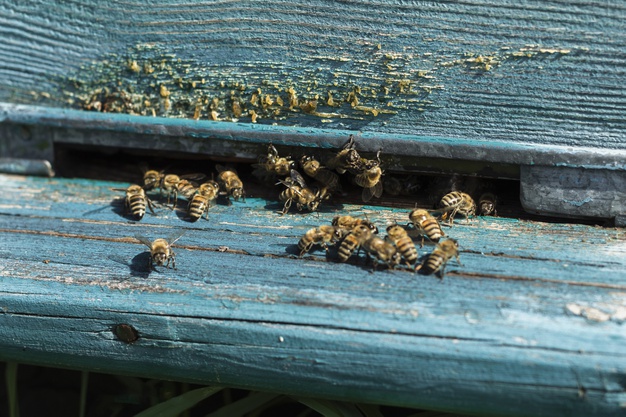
x=305, y=250
x=441, y=272
x=150, y=206
x=418, y=267
x=287, y=206
x=173, y=259
x=451, y=218
x=175, y=200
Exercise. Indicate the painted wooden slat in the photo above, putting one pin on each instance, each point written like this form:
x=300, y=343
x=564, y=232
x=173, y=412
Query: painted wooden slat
x=542, y=72
x=530, y=324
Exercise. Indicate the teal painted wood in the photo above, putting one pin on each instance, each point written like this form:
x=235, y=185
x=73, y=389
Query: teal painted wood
x=532, y=322
x=542, y=72
x=210, y=138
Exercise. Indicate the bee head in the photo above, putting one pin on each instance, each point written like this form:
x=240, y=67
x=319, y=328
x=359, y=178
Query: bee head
x=352, y=157
x=237, y=193
x=159, y=258
x=486, y=207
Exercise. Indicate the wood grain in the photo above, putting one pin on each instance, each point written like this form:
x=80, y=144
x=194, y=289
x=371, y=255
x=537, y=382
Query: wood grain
x=530, y=323
x=546, y=72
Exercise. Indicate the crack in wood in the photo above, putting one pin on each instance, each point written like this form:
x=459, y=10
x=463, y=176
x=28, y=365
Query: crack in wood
x=529, y=279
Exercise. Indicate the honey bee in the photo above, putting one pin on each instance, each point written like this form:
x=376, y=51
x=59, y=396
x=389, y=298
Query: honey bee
x=322, y=235
x=168, y=184
x=201, y=201
x=198, y=205
x=392, y=185
x=346, y=158
x=173, y=185
x=382, y=250
x=487, y=204
x=347, y=223
x=231, y=184
x=353, y=240
x=135, y=201
x=298, y=191
x=369, y=178
x=152, y=179
x=437, y=259
x=407, y=185
x=426, y=224
x=404, y=244
x=210, y=189
x=457, y=202
x=186, y=188
x=273, y=164
x=161, y=250
x=314, y=169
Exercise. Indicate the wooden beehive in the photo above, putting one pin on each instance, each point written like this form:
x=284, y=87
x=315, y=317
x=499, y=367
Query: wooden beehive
x=528, y=93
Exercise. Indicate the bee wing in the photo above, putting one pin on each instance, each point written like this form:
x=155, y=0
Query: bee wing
x=144, y=240
x=118, y=189
x=174, y=236
x=222, y=168
x=295, y=175
x=195, y=177
x=378, y=189
x=375, y=191
x=327, y=177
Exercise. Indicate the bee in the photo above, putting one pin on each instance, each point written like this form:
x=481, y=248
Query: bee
x=298, y=191
x=437, y=259
x=404, y=244
x=457, y=202
x=152, y=179
x=346, y=158
x=210, y=189
x=231, y=183
x=382, y=250
x=135, y=201
x=347, y=223
x=408, y=185
x=174, y=184
x=487, y=204
x=322, y=235
x=161, y=250
x=369, y=178
x=426, y=224
x=273, y=164
x=198, y=206
x=185, y=188
x=314, y=169
x=201, y=201
x=392, y=185
x=168, y=184
x=353, y=240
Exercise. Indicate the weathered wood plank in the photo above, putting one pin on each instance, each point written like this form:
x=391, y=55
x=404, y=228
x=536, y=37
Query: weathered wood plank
x=542, y=72
x=530, y=324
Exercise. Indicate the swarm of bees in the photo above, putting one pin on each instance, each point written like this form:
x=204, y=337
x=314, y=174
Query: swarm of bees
x=323, y=178
x=350, y=235
x=346, y=236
